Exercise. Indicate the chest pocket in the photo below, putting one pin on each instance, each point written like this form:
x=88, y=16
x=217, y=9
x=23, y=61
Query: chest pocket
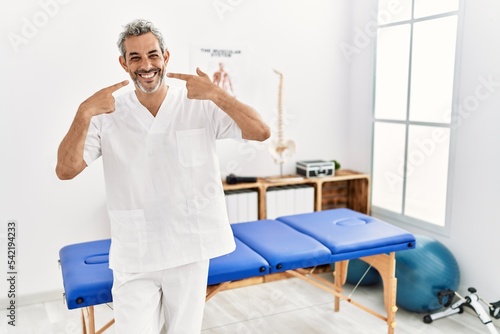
x=192, y=147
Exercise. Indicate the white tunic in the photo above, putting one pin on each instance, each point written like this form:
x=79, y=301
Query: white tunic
x=165, y=197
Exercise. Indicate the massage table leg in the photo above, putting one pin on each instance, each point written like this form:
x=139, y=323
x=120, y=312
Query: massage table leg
x=88, y=322
x=109, y=324
x=327, y=286
x=386, y=266
x=84, y=324
x=339, y=279
x=213, y=290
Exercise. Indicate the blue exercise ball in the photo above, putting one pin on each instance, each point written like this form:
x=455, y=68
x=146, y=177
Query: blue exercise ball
x=359, y=272
x=424, y=271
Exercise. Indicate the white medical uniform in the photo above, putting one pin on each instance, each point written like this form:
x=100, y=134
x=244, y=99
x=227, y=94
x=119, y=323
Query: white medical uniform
x=164, y=192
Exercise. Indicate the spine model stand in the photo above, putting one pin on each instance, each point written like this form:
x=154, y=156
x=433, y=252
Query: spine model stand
x=281, y=150
x=473, y=301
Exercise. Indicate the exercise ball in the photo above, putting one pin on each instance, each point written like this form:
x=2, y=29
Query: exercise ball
x=358, y=269
x=424, y=271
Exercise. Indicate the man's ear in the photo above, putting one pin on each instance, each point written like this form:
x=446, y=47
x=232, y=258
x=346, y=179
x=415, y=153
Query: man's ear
x=123, y=62
x=166, y=56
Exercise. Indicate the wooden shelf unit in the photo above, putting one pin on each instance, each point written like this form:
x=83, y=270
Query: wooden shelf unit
x=347, y=189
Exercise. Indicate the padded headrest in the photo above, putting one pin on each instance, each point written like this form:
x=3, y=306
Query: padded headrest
x=97, y=259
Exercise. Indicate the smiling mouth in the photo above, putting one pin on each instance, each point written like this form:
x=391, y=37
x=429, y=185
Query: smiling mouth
x=147, y=75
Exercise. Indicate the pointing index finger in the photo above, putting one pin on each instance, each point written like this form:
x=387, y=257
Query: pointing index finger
x=115, y=87
x=179, y=76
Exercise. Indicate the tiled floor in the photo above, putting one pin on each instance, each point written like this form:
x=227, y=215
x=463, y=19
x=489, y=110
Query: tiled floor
x=283, y=307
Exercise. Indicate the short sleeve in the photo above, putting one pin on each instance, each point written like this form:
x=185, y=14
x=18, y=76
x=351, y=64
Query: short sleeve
x=92, y=149
x=224, y=126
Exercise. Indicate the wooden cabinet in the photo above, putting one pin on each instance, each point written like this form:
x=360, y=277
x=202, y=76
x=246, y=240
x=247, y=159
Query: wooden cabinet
x=347, y=189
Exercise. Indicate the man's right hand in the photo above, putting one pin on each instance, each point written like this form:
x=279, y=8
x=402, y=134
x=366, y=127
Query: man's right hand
x=70, y=161
x=102, y=102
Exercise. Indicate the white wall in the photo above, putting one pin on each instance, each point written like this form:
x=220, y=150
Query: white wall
x=475, y=225
x=57, y=53
x=358, y=50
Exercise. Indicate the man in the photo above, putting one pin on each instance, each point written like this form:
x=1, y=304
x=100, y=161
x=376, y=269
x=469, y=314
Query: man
x=164, y=193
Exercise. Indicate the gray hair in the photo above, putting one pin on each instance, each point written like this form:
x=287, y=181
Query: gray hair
x=137, y=28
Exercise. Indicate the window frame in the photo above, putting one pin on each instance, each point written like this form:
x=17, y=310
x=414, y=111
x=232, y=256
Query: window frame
x=401, y=219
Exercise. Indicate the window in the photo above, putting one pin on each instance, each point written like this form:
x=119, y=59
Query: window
x=413, y=106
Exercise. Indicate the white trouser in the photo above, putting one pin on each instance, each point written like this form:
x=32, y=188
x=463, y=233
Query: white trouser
x=173, y=298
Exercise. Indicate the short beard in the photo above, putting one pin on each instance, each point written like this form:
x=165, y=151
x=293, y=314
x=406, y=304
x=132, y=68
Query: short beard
x=149, y=90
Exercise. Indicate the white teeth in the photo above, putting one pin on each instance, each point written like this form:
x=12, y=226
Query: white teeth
x=148, y=75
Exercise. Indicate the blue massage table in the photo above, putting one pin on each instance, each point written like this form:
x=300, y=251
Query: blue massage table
x=289, y=244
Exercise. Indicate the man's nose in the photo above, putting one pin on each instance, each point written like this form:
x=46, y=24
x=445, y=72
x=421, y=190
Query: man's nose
x=145, y=65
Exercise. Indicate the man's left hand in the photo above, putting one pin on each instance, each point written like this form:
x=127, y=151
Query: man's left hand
x=199, y=86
